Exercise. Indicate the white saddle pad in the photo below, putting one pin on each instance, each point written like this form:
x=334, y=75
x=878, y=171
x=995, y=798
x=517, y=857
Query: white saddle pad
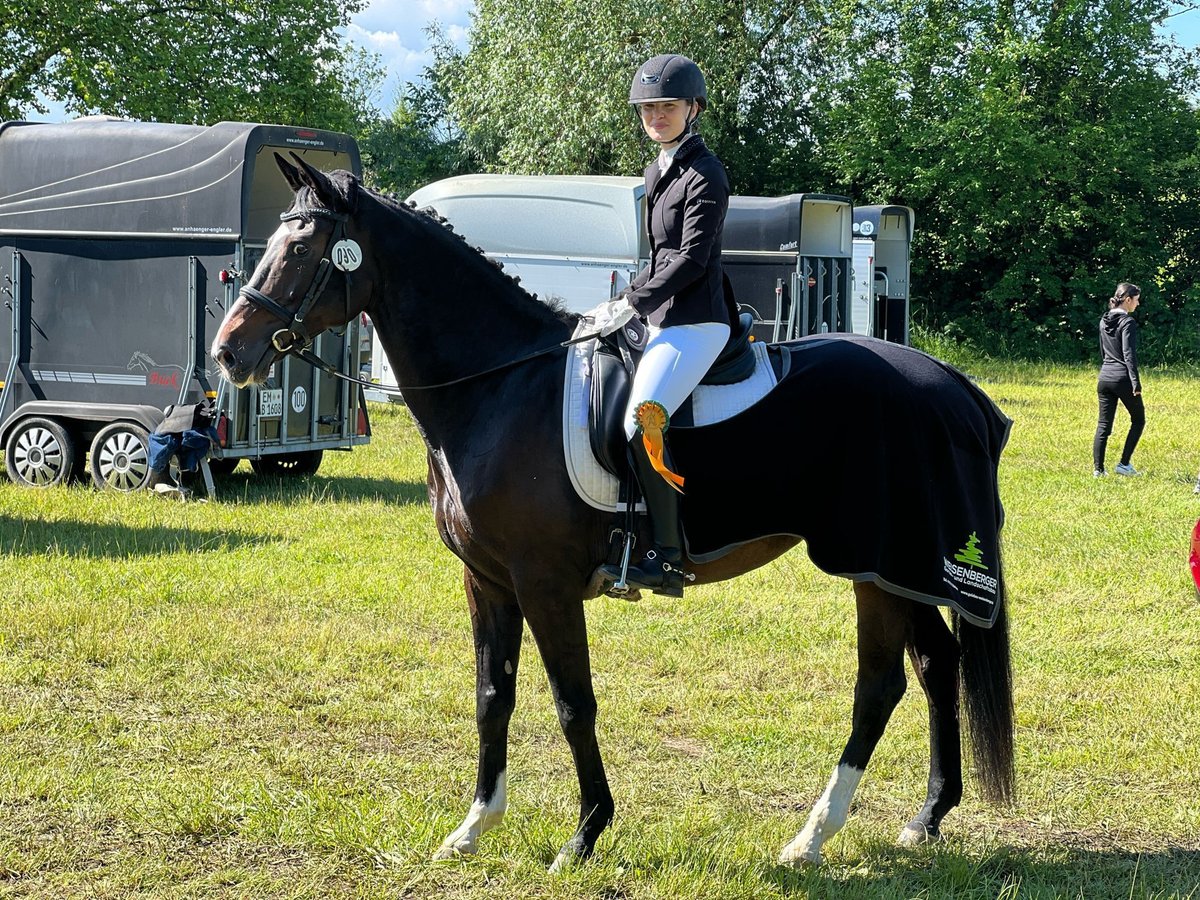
x=710, y=403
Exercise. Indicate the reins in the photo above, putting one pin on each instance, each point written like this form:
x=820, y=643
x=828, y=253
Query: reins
x=313, y=360
x=298, y=340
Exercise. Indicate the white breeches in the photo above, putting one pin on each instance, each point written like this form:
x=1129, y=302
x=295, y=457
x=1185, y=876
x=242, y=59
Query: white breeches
x=673, y=363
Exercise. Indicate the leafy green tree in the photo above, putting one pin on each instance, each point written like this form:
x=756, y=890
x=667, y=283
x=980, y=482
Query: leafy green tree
x=418, y=143
x=543, y=85
x=1049, y=150
x=409, y=150
x=195, y=61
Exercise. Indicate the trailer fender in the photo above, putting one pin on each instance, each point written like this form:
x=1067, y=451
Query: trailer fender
x=93, y=416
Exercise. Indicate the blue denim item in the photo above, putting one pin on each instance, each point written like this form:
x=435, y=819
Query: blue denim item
x=190, y=446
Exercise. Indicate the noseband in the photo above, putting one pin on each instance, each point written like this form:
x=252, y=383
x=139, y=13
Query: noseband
x=295, y=336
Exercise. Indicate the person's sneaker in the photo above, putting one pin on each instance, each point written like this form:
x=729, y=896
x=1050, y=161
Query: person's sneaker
x=1126, y=469
x=1099, y=473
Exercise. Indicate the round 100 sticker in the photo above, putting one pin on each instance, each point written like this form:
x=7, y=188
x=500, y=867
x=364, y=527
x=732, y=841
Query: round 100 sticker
x=299, y=399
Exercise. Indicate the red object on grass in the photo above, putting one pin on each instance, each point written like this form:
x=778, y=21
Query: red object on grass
x=1194, y=560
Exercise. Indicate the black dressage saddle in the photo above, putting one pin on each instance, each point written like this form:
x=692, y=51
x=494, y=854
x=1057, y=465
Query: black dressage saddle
x=611, y=367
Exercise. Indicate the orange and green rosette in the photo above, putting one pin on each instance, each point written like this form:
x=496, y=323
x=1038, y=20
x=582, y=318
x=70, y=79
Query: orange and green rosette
x=652, y=421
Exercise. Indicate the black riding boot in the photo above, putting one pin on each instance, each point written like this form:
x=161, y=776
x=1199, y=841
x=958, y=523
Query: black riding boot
x=661, y=568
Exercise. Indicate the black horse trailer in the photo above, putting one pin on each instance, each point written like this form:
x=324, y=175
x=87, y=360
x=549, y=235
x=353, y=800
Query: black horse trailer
x=121, y=246
x=789, y=260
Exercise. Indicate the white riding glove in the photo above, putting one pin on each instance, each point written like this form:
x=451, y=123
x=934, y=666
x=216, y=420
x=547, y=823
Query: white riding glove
x=610, y=315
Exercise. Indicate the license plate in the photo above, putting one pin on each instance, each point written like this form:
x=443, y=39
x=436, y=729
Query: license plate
x=270, y=403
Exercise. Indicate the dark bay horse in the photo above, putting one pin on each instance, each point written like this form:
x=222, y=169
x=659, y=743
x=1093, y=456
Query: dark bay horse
x=481, y=368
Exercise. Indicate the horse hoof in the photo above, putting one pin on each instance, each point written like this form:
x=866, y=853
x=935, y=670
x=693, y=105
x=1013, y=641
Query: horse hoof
x=572, y=854
x=796, y=858
x=453, y=851
x=915, y=834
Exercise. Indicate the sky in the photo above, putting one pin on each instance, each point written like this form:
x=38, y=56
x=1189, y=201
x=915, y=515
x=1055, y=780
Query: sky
x=395, y=29
x=1184, y=23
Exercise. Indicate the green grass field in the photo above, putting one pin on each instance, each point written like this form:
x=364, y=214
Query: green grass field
x=273, y=696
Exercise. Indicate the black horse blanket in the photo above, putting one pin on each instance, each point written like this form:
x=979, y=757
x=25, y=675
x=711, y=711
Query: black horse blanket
x=882, y=458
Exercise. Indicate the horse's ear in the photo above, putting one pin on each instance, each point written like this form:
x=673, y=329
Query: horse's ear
x=320, y=183
x=290, y=172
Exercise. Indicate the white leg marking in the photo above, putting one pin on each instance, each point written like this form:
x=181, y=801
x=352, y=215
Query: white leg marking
x=563, y=862
x=481, y=817
x=827, y=817
x=915, y=836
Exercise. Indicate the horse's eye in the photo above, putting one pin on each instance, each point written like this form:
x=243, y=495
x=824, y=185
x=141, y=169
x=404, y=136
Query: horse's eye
x=300, y=249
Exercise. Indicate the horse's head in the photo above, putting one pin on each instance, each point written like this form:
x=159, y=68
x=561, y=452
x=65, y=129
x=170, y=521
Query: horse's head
x=313, y=276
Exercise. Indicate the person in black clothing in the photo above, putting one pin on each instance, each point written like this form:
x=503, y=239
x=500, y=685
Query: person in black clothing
x=680, y=295
x=1119, y=378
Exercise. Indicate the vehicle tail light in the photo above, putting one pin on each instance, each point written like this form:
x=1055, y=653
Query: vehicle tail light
x=364, y=428
x=223, y=430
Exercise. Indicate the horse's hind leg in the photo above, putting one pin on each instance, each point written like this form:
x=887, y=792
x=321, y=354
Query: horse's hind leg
x=884, y=622
x=496, y=623
x=934, y=653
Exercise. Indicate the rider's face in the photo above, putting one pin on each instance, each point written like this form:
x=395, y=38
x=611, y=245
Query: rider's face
x=665, y=120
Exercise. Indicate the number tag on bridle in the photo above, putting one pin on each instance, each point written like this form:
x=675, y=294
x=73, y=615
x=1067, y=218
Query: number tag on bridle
x=346, y=255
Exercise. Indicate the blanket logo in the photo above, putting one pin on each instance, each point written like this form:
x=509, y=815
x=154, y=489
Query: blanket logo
x=971, y=554
x=971, y=579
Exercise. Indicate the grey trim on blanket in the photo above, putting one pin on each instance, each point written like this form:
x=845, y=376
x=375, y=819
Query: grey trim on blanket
x=856, y=577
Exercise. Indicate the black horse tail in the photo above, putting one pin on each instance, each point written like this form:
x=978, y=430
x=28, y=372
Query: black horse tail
x=987, y=699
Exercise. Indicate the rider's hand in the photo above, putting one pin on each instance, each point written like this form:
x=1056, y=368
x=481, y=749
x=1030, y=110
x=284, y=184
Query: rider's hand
x=610, y=315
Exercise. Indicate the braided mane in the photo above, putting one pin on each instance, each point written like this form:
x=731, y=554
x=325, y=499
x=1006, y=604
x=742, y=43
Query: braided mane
x=432, y=216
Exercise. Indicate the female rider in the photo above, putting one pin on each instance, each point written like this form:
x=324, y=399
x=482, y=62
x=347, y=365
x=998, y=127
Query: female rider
x=680, y=295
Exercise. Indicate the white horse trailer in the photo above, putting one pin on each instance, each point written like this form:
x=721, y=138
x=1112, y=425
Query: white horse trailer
x=793, y=260
x=575, y=239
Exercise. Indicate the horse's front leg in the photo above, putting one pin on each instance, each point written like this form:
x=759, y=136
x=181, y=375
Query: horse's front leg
x=561, y=633
x=496, y=622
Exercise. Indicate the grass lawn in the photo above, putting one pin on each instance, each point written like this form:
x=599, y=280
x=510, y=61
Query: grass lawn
x=273, y=695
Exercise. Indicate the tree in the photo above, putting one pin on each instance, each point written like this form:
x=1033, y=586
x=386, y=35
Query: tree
x=407, y=150
x=198, y=61
x=418, y=143
x=1049, y=150
x=544, y=83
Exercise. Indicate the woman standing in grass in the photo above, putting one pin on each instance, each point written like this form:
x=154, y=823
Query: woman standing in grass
x=1119, y=378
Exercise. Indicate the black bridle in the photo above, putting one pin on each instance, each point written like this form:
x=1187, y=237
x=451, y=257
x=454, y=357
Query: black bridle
x=295, y=337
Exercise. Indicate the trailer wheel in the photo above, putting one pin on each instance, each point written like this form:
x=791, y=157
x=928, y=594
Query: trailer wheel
x=223, y=466
x=39, y=453
x=120, y=457
x=297, y=465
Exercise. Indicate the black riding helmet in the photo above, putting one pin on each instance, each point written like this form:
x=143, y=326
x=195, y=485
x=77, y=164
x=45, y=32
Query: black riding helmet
x=669, y=76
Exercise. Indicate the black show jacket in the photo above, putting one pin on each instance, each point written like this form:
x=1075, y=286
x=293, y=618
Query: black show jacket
x=685, y=212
